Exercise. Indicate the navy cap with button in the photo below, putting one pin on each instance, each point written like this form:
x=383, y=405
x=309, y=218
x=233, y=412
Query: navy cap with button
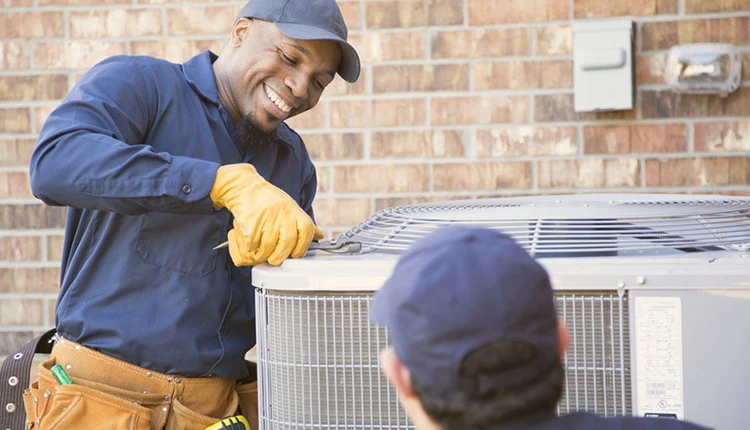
x=458, y=289
x=309, y=20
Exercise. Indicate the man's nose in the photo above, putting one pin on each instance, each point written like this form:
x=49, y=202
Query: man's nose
x=299, y=85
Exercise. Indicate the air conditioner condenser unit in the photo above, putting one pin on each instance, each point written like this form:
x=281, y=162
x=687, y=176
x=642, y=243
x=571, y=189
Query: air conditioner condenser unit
x=655, y=290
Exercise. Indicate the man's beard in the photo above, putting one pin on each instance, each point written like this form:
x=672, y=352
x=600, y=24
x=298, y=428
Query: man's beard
x=251, y=137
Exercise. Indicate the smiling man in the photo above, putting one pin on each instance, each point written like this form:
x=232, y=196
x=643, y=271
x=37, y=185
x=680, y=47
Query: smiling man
x=158, y=163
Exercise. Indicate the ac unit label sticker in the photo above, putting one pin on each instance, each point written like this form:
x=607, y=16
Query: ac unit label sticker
x=658, y=346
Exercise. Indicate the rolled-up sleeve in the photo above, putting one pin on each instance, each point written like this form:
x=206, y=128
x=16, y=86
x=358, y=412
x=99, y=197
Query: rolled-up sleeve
x=91, y=153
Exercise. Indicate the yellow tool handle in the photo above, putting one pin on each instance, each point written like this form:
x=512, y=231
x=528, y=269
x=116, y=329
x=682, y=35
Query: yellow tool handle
x=237, y=422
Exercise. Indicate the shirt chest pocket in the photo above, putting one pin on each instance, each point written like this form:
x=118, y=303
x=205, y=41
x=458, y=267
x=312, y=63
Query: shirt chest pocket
x=181, y=242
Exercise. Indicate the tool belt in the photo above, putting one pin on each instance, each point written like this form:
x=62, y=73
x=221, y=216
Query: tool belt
x=15, y=377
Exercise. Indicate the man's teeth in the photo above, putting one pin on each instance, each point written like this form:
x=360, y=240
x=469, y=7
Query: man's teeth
x=277, y=100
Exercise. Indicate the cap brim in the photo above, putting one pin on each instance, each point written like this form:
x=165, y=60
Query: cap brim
x=349, y=67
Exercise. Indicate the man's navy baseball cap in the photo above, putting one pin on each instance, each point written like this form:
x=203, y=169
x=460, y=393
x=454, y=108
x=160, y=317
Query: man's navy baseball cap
x=458, y=289
x=308, y=20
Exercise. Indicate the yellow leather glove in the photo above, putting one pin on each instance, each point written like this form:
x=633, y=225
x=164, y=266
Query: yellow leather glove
x=268, y=224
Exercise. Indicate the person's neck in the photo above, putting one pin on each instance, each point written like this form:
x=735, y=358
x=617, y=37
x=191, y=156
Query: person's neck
x=418, y=416
x=221, y=88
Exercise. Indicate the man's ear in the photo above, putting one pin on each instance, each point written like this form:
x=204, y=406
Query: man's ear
x=563, y=338
x=239, y=31
x=396, y=372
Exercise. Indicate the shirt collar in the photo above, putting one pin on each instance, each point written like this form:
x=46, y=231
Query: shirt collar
x=199, y=74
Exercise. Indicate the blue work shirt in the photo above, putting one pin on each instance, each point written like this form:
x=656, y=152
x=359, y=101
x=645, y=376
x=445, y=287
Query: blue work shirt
x=133, y=151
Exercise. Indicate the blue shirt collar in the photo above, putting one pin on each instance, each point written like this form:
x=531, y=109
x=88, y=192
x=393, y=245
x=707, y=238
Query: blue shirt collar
x=199, y=74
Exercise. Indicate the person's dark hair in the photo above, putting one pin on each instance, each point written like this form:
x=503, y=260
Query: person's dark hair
x=465, y=409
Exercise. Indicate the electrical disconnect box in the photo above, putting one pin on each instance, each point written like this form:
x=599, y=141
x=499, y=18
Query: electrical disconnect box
x=603, y=65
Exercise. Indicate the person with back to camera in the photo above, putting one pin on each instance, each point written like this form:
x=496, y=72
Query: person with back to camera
x=158, y=163
x=476, y=343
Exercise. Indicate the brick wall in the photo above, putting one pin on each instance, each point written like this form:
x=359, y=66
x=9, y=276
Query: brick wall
x=458, y=99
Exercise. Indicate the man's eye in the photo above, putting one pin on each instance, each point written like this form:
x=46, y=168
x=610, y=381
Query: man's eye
x=286, y=58
x=320, y=85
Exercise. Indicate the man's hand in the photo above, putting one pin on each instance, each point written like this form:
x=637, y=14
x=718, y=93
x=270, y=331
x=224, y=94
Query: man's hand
x=268, y=224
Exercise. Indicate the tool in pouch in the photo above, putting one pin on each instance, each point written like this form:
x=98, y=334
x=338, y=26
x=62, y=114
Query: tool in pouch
x=333, y=246
x=237, y=422
x=60, y=376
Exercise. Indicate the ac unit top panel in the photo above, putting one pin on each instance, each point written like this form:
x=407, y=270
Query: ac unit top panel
x=583, y=225
x=721, y=270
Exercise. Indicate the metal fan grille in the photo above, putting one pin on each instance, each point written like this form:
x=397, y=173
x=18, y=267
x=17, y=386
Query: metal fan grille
x=318, y=360
x=589, y=225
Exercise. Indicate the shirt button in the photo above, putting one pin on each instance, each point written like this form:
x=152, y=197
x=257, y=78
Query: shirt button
x=186, y=189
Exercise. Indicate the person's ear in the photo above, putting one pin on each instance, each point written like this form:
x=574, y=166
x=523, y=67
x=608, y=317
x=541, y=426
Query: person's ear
x=563, y=338
x=396, y=372
x=240, y=30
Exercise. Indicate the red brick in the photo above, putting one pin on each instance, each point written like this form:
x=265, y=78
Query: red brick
x=669, y=104
x=589, y=173
x=480, y=43
x=634, y=138
x=324, y=179
x=490, y=109
x=181, y=1
x=413, y=13
x=176, y=50
x=440, y=77
x=379, y=46
x=705, y=171
x=409, y=144
x=663, y=35
x=380, y=178
x=16, y=152
x=350, y=12
x=54, y=248
x=14, y=184
x=340, y=87
x=522, y=74
x=314, y=118
x=201, y=20
x=81, y=2
x=41, y=113
x=650, y=68
x=29, y=280
x=33, y=87
x=330, y=212
x=15, y=3
x=481, y=176
x=553, y=40
x=377, y=113
x=115, y=23
x=74, y=54
x=14, y=120
x=334, y=146
x=31, y=25
x=489, y=12
x=20, y=248
x=722, y=136
x=560, y=107
x=14, y=55
x=703, y=6
x=31, y=216
x=21, y=312
x=526, y=141
x=594, y=8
